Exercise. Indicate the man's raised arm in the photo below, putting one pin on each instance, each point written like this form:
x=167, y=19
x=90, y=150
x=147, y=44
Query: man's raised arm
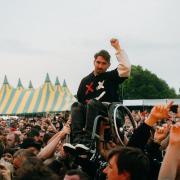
x=124, y=67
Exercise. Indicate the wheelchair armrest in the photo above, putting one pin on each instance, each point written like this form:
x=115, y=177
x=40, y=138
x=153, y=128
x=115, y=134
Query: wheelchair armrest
x=96, y=126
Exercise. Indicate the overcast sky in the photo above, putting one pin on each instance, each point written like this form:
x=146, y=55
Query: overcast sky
x=61, y=37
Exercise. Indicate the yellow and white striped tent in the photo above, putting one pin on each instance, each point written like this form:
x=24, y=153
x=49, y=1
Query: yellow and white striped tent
x=48, y=98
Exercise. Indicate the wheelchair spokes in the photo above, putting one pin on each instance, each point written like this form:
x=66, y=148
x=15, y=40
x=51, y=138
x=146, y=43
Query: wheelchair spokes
x=123, y=123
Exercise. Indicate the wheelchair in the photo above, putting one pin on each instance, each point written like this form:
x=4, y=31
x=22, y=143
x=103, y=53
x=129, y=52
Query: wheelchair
x=110, y=129
x=109, y=132
x=118, y=124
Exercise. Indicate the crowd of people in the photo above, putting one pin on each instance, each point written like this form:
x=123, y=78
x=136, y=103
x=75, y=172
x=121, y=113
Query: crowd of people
x=32, y=148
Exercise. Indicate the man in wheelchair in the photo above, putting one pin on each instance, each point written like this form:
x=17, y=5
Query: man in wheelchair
x=95, y=92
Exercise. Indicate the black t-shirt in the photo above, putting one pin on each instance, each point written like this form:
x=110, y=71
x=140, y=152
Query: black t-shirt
x=102, y=87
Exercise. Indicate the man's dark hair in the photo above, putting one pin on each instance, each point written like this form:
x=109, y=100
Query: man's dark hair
x=34, y=132
x=82, y=175
x=23, y=153
x=30, y=142
x=104, y=54
x=131, y=160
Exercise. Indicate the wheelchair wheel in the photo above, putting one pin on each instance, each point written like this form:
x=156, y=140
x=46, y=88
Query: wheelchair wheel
x=122, y=123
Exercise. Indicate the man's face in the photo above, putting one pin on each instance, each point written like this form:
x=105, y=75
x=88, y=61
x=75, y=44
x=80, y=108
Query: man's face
x=111, y=171
x=10, y=140
x=100, y=65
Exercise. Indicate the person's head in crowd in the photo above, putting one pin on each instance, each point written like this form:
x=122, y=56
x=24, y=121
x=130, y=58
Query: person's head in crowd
x=59, y=116
x=2, y=147
x=27, y=128
x=34, y=133
x=21, y=124
x=101, y=62
x=41, y=134
x=57, y=167
x=76, y=174
x=32, y=121
x=127, y=163
x=38, y=127
x=12, y=140
x=8, y=157
x=20, y=156
x=2, y=136
x=3, y=123
x=31, y=144
x=44, y=124
x=34, y=169
x=59, y=126
x=13, y=125
x=47, y=137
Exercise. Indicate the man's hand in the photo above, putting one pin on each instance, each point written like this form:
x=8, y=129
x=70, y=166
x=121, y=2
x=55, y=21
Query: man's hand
x=161, y=133
x=158, y=112
x=5, y=172
x=115, y=44
x=66, y=129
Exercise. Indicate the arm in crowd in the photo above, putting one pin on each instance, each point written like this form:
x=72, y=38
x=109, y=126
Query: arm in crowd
x=124, y=67
x=51, y=124
x=153, y=148
x=169, y=167
x=52, y=138
x=49, y=149
x=68, y=123
x=142, y=133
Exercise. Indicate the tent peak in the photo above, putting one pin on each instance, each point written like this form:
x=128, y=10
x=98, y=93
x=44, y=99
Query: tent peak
x=57, y=81
x=30, y=85
x=64, y=83
x=19, y=83
x=47, y=80
x=5, y=80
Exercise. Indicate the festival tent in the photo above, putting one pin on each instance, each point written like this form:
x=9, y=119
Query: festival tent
x=47, y=98
x=69, y=97
x=4, y=93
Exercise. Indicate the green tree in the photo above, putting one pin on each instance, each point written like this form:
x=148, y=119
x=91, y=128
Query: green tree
x=142, y=84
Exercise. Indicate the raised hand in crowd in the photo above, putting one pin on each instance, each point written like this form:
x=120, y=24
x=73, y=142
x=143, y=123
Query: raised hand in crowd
x=169, y=168
x=69, y=121
x=115, y=44
x=66, y=129
x=158, y=112
x=161, y=133
x=49, y=122
x=6, y=173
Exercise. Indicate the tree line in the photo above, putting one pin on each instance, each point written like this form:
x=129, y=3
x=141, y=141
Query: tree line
x=143, y=84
